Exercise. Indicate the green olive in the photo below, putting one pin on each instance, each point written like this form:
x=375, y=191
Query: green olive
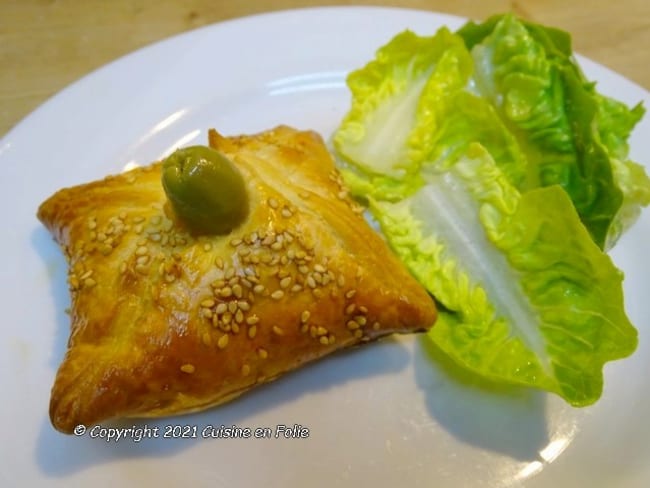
x=205, y=189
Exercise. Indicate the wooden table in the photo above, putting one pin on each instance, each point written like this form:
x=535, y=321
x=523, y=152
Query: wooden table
x=47, y=44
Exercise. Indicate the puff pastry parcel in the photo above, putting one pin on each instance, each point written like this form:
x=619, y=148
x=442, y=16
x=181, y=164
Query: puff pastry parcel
x=165, y=322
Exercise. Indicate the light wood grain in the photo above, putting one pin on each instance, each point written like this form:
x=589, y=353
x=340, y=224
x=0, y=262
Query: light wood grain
x=47, y=44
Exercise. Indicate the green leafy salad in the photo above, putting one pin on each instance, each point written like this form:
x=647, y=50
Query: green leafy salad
x=501, y=178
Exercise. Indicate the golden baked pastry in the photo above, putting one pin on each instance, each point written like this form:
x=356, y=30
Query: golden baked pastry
x=166, y=322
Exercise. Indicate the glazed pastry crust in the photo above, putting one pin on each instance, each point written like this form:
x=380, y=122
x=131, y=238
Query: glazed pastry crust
x=165, y=322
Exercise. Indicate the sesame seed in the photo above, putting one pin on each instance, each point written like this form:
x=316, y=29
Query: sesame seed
x=268, y=240
x=318, y=277
x=272, y=202
x=317, y=293
x=222, y=343
x=321, y=331
x=245, y=370
x=239, y=316
x=376, y=326
x=342, y=194
x=155, y=237
x=258, y=289
x=278, y=330
x=230, y=272
x=156, y=220
x=92, y=225
x=285, y=282
x=219, y=263
x=232, y=307
x=286, y=213
x=207, y=339
x=304, y=316
x=237, y=291
x=350, y=308
x=207, y=313
x=332, y=338
x=296, y=288
x=352, y=325
x=350, y=293
x=341, y=281
x=277, y=294
x=123, y=268
x=141, y=251
x=276, y=246
x=303, y=269
x=225, y=292
x=208, y=303
x=252, y=331
x=141, y=268
x=87, y=274
x=252, y=320
x=324, y=340
x=262, y=353
x=221, y=308
x=235, y=242
x=311, y=282
x=360, y=319
x=244, y=251
x=304, y=328
x=363, y=309
x=226, y=318
x=89, y=282
x=243, y=305
x=358, y=334
x=319, y=268
x=207, y=247
x=235, y=328
x=188, y=368
x=170, y=278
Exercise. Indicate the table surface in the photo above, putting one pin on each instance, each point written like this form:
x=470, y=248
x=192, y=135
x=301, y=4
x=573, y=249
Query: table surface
x=47, y=44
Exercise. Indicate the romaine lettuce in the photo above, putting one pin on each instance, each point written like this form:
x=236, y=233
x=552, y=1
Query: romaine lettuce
x=498, y=174
x=527, y=297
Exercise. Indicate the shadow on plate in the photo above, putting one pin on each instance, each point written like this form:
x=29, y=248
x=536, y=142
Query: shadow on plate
x=505, y=419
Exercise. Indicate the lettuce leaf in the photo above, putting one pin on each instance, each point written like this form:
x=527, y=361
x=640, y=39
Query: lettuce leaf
x=388, y=128
x=527, y=297
x=615, y=124
x=544, y=100
x=498, y=174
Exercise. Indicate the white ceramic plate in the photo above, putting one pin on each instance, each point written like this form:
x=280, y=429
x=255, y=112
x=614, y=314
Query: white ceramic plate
x=382, y=415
